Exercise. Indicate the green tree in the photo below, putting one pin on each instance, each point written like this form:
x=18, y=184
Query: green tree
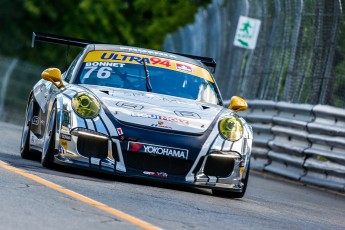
x=143, y=23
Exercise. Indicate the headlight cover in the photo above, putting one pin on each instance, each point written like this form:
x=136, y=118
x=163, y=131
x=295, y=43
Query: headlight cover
x=230, y=128
x=85, y=105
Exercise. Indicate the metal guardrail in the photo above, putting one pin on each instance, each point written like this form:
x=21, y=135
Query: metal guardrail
x=299, y=141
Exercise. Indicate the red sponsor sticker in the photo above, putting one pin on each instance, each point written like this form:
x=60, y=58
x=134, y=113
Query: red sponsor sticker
x=183, y=67
x=119, y=131
x=134, y=147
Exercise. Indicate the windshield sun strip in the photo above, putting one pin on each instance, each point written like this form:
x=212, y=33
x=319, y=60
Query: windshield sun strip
x=131, y=58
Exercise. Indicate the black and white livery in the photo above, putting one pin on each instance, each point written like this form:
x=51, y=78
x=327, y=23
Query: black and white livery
x=142, y=113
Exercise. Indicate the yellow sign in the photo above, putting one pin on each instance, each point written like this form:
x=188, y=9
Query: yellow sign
x=131, y=58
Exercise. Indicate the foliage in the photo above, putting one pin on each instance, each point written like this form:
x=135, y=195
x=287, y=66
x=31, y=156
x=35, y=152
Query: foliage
x=338, y=90
x=142, y=23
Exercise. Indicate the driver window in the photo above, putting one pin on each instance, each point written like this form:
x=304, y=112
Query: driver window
x=68, y=74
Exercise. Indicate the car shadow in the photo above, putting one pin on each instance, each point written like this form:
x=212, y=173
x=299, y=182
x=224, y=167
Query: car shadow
x=34, y=165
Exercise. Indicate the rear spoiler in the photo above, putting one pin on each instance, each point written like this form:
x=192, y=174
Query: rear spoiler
x=60, y=40
x=36, y=36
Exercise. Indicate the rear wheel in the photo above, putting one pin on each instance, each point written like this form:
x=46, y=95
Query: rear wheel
x=24, y=144
x=49, y=150
x=230, y=194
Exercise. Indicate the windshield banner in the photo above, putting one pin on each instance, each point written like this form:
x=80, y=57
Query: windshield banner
x=131, y=58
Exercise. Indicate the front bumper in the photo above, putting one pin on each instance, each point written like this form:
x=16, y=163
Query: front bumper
x=96, y=151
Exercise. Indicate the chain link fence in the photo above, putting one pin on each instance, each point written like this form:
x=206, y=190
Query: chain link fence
x=299, y=56
x=16, y=81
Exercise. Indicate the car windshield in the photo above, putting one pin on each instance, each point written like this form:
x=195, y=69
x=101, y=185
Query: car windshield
x=169, y=77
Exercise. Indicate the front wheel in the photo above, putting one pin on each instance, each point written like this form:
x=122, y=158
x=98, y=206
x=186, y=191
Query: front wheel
x=24, y=144
x=230, y=194
x=49, y=150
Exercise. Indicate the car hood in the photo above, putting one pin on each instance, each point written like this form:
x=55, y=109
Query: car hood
x=156, y=110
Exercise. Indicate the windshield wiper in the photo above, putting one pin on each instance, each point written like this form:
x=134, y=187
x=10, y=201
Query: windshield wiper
x=147, y=75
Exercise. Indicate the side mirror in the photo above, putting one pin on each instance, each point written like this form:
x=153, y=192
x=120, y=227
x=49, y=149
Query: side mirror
x=53, y=75
x=238, y=104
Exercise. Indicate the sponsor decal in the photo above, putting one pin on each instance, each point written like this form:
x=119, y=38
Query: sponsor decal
x=150, y=52
x=159, y=117
x=65, y=130
x=64, y=144
x=119, y=131
x=183, y=67
x=157, y=150
x=160, y=124
x=151, y=97
x=65, y=137
x=129, y=105
x=187, y=114
x=150, y=58
x=66, y=118
x=35, y=120
x=61, y=149
x=156, y=174
x=112, y=64
x=35, y=141
x=241, y=170
x=242, y=167
x=130, y=58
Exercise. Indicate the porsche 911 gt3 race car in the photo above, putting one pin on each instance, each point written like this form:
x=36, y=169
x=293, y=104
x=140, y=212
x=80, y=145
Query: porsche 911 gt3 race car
x=140, y=113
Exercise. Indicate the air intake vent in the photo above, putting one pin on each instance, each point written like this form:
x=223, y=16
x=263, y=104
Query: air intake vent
x=219, y=165
x=91, y=146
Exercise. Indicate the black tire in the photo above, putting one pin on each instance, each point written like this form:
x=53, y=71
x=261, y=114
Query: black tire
x=230, y=194
x=49, y=150
x=24, y=144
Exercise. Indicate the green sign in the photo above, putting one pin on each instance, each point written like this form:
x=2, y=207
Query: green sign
x=247, y=32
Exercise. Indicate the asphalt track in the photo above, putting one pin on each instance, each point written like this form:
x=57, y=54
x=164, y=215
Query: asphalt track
x=33, y=197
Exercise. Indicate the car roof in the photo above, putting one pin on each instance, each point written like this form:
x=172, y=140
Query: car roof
x=137, y=50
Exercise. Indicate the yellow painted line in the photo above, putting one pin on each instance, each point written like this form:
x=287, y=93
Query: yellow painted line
x=131, y=219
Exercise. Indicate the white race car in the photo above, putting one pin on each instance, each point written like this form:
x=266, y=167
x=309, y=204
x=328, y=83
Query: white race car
x=139, y=112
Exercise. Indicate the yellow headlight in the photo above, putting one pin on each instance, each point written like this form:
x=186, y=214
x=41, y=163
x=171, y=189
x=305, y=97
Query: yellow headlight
x=231, y=128
x=85, y=105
